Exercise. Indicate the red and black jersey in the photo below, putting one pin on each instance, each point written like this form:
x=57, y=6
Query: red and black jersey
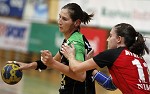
x=129, y=72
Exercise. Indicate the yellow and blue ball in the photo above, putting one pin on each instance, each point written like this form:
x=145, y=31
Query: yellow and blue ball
x=11, y=74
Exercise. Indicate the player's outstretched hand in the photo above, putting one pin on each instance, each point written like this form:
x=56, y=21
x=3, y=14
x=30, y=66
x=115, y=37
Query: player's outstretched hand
x=22, y=66
x=46, y=57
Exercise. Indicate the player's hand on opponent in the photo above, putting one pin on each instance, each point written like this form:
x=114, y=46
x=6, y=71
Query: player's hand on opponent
x=46, y=57
x=68, y=51
x=89, y=55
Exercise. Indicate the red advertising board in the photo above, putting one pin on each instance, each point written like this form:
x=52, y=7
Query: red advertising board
x=97, y=38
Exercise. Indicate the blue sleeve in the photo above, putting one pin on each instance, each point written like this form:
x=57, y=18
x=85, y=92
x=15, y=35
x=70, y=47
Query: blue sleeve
x=104, y=81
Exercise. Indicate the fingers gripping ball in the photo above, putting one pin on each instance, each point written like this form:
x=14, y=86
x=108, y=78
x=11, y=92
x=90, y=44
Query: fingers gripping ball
x=11, y=74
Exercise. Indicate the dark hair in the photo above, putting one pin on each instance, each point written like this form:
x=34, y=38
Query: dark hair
x=134, y=41
x=77, y=13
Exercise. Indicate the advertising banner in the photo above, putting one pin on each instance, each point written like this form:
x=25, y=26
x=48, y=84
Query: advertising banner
x=97, y=38
x=45, y=37
x=14, y=34
x=12, y=8
x=36, y=10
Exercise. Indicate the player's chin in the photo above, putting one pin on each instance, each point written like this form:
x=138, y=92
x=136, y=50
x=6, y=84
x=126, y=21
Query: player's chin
x=60, y=29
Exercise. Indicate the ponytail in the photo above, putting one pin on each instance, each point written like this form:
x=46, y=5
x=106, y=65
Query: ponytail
x=139, y=47
x=86, y=18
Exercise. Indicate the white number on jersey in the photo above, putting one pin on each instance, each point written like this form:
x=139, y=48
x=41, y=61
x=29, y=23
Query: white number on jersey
x=140, y=69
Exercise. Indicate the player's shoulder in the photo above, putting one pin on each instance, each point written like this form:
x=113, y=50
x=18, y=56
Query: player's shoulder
x=116, y=50
x=76, y=37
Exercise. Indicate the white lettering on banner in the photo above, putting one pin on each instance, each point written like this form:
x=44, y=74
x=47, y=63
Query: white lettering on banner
x=17, y=3
x=4, y=9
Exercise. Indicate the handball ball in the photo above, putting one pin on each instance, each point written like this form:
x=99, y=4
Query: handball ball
x=11, y=74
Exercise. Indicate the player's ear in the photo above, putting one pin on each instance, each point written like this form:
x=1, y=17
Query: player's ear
x=119, y=39
x=77, y=22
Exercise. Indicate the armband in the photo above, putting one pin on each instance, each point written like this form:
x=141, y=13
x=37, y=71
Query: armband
x=104, y=81
x=40, y=65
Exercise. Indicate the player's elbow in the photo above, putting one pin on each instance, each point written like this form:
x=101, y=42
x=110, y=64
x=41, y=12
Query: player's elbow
x=82, y=80
x=75, y=69
x=81, y=77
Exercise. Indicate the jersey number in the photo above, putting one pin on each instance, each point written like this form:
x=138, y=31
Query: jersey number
x=140, y=69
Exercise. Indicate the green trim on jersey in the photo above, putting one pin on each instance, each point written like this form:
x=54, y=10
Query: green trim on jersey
x=77, y=39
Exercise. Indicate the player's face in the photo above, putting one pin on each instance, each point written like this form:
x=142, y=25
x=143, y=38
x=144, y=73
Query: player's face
x=112, y=39
x=65, y=22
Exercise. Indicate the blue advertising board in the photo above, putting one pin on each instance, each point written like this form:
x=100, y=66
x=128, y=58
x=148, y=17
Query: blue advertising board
x=12, y=8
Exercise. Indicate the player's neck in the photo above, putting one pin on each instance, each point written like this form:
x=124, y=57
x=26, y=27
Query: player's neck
x=121, y=45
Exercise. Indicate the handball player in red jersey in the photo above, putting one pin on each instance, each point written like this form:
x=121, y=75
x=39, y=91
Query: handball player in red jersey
x=124, y=60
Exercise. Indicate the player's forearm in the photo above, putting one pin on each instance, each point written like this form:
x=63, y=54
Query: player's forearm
x=67, y=71
x=74, y=64
x=104, y=80
x=57, y=57
x=26, y=66
x=33, y=65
